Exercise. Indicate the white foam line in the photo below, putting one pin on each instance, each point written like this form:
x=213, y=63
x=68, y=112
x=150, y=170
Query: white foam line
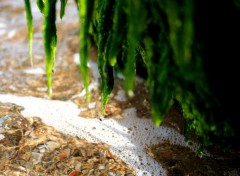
x=127, y=138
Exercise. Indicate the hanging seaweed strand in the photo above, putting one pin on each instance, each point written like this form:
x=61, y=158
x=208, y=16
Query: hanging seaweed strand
x=40, y=5
x=135, y=26
x=29, y=19
x=85, y=15
x=50, y=39
x=104, y=26
x=118, y=35
x=62, y=8
x=117, y=44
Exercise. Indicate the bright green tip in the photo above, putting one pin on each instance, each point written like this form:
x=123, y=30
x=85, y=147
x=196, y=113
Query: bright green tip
x=157, y=122
x=49, y=91
x=130, y=93
x=88, y=97
x=113, y=61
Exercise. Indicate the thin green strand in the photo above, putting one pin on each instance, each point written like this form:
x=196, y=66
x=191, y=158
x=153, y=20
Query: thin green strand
x=135, y=29
x=29, y=19
x=85, y=15
x=40, y=5
x=62, y=8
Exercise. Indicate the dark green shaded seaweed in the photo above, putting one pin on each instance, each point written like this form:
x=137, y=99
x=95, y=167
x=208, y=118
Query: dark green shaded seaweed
x=40, y=5
x=62, y=8
x=104, y=27
x=119, y=31
x=135, y=26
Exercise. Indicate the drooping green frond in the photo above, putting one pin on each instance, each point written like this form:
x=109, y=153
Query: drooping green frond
x=104, y=27
x=135, y=26
x=30, y=27
x=85, y=15
x=40, y=4
x=181, y=29
x=119, y=31
x=62, y=8
x=107, y=79
x=189, y=84
x=50, y=39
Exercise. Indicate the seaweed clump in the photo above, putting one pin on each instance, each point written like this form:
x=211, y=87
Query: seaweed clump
x=165, y=38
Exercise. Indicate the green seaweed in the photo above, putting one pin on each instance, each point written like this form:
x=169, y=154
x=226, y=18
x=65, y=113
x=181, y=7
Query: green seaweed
x=50, y=39
x=62, y=8
x=29, y=19
x=85, y=15
x=119, y=30
x=159, y=35
x=104, y=26
x=40, y=4
x=135, y=26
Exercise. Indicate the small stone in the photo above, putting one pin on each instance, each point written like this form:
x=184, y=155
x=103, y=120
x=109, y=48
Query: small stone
x=78, y=166
x=101, y=167
x=111, y=174
x=36, y=157
x=42, y=148
x=118, y=117
x=51, y=145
